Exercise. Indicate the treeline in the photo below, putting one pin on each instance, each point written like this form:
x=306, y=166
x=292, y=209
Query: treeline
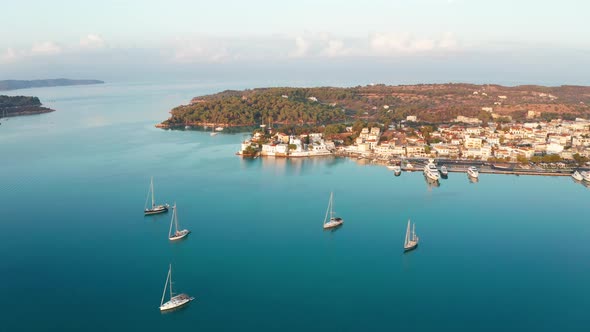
x=433, y=103
x=21, y=105
x=18, y=101
x=256, y=107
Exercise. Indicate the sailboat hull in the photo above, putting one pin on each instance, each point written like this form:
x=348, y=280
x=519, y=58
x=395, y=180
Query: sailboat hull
x=176, y=302
x=156, y=210
x=180, y=235
x=333, y=223
x=410, y=247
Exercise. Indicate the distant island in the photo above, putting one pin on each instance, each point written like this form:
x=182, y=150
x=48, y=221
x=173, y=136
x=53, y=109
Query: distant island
x=427, y=103
x=23, y=84
x=21, y=105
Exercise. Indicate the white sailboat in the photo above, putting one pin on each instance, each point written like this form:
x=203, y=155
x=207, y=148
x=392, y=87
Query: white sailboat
x=213, y=133
x=333, y=221
x=178, y=234
x=411, y=241
x=155, y=209
x=175, y=301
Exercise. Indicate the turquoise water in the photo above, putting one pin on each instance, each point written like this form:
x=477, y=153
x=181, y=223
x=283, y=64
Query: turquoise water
x=507, y=253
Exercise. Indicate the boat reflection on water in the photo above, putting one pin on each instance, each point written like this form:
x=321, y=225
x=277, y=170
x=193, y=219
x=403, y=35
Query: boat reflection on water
x=473, y=180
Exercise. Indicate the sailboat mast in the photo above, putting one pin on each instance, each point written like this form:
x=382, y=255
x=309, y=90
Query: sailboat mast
x=171, y=281
x=171, y=221
x=331, y=205
x=414, y=232
x=176, y=221
x=166, y=284
x=407, y=233
x=152, y=188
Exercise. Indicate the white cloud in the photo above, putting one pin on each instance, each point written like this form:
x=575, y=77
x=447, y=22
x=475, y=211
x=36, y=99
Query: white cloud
x=302, y=47
x=404, y=43
x=200, y=50
x=92, y=41
x=46, y=48
x=335, y=48
x=8, y=56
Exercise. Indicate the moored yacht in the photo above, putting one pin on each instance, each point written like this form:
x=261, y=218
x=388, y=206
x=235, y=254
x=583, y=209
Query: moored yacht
x=472, y=172
x=409, y=167
x=333, y=221
x=431, y=172
x=176, y=301
x=411, y=241
x=155, y=209
x=586, y=176
x=444, y=172
x=577, y=176
x=178, y=234
x=397, y=170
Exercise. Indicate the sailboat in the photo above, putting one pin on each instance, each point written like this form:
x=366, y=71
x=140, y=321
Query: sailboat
x=334, y=221
x=178, y=234
x=175, y=301
x=155, y=209
x=411, y=241
x=213, y=132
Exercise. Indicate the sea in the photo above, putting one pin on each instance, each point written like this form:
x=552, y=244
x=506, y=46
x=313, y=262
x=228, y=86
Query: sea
x=507, y=253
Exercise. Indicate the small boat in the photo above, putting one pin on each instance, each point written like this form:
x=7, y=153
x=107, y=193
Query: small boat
x=397, y=171
x=333, y=221
x=444, y=172
x=176, y=301
x=219, y=129
x=472, y=172
x=409, y=167
x=187, y=127
x=411, y=241
x=155, y=209
x=503, y=167
x=390, y=167
x=178, y=234
x=577, y=176
x=431, y=172
x=586, y=176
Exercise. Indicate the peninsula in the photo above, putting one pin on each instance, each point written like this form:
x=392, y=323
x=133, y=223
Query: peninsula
x=546, y=126
x=24, y=84
x=21, y=105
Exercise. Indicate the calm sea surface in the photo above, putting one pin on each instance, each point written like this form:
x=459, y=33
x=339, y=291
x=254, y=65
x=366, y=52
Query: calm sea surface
x=505, y=254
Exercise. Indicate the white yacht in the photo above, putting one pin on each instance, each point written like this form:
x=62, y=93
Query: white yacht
x=586, y=176
x=444, y=172
x=431, y=172
x=154, y=209
x=409, y=167
x=333, y=221
x=472, y=172
x=577, y=176
x=397, y=170
x=178, y=234
x=411, y=241
x=175, y=301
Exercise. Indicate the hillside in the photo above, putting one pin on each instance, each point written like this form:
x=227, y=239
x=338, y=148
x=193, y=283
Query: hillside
x=21, y=105
x=22, y=84
x=429, y=102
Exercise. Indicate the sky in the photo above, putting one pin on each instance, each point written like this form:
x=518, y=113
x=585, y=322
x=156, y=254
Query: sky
x=398, y=41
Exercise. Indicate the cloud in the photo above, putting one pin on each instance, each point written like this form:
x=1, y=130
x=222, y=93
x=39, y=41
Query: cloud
x=335, y=48
x=392, y=43
x=92, y=41
x=8, y=56
x=302, y=47
x=46, y=48
x=200, y=50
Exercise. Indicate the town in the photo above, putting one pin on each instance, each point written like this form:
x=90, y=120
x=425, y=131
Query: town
x=553, y=142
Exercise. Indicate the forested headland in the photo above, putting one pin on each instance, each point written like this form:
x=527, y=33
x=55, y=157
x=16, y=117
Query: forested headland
x=433, y=103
